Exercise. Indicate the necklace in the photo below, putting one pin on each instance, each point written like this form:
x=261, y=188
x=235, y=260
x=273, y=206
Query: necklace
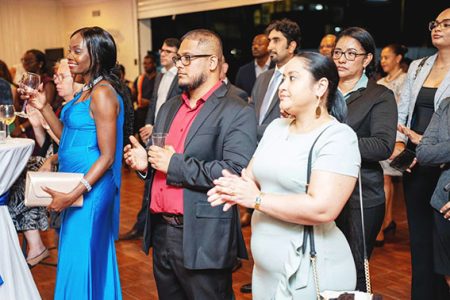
x=90, y=85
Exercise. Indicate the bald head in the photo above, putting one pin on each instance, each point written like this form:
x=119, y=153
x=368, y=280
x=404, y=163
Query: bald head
x=327, y=44
x=208, y=42
x=259, y=46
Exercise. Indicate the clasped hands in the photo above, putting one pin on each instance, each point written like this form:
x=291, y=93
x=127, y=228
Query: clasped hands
x=413, y=136
x=137, y=157
x=232, y=189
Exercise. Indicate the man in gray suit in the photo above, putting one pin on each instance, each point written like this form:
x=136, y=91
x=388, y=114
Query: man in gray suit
x=194, y=244
x=284, y=43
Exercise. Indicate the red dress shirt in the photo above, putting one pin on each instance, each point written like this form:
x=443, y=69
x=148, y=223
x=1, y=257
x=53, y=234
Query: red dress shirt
x=166, y=198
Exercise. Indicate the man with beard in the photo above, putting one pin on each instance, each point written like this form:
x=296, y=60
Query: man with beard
x=195, y=245
x=247, y=74
x=284, y=43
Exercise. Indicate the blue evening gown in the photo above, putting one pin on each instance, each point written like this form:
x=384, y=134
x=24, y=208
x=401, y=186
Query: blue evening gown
x=87, y=263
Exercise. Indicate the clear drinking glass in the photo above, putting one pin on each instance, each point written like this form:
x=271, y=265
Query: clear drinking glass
x=159, y=139
x=29, y=84
x=7, y=115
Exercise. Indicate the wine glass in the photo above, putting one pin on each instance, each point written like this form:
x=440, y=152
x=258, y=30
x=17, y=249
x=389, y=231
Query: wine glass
x=29, y=84
x=8, y=115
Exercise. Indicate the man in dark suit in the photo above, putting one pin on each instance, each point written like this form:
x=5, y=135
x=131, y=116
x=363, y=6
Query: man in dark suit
x=232, y=89
x=166, y=87
x=284, y=43
x=247, y=74
x=195, y=245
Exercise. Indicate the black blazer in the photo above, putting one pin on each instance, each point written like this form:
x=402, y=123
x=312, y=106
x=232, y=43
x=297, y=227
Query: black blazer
x=174, y=90
x=258, y=93
x=235, y=91
x=246, y=77
x=223, y=136
x=372, y=113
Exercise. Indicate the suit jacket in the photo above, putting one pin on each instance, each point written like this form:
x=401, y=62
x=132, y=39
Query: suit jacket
x=235, y=91
x=434, y=150
x=411, y=89
x=174, y=90
x=258, y=93
x=372, y=113
x=223, y=136
x=246, y=77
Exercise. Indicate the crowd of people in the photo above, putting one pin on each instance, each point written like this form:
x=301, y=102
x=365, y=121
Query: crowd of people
x=300, y=140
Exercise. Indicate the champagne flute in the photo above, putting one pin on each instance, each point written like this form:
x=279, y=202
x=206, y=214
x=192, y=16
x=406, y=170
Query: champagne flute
x=8, y=115
x=29, y=84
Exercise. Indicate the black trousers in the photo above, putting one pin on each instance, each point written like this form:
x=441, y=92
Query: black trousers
x=174, y=281
x=349, y=222
x=142, y=214
x=418, y=187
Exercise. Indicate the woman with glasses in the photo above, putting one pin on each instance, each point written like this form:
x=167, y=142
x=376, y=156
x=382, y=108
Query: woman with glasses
x=427, y=84
x=372, y=113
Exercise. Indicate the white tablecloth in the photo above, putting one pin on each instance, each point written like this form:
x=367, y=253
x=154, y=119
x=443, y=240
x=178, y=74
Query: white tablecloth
x=18, y=281
x=14, y=155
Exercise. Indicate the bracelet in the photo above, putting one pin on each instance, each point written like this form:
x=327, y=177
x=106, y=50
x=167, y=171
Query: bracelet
x=258, y=200
x=86, y=184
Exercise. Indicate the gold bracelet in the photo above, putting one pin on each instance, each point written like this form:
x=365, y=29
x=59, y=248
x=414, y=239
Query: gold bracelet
x=258, y=200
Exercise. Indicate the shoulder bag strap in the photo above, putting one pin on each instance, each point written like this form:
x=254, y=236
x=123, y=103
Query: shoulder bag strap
x=308, y=231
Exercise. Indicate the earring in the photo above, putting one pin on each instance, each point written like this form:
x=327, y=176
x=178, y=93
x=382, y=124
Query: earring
x=318, y=109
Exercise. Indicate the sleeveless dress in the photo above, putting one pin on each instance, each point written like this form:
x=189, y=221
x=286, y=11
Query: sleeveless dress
x=87, y=263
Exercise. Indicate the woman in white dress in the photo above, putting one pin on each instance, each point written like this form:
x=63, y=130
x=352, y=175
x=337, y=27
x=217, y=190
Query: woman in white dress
x=274, y=184
x=392, y=57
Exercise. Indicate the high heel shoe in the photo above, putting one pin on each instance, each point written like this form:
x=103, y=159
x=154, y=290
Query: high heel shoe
x=391, y=227
x=33, y=261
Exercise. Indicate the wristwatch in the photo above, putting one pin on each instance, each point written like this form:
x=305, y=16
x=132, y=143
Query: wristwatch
x=258, y=201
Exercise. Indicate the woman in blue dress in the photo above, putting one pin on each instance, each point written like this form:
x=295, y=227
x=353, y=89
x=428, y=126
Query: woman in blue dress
x=91, y=135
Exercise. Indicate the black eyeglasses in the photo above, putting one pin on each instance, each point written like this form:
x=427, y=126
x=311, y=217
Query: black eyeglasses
x=166, y=51
x=444, y=24
x=186, y=59
x=349, y=54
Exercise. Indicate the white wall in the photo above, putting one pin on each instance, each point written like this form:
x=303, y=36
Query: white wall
x=41, y=24
x=118, y=17
x=28, y=24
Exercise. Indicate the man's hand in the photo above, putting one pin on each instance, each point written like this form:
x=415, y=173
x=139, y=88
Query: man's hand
x=145, y=132
x=159, y=158
x=135, y=155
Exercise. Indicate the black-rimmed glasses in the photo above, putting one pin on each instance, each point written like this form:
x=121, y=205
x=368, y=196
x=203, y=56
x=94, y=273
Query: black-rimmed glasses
x=444, y=24
x=186, y=59
x=349, y=54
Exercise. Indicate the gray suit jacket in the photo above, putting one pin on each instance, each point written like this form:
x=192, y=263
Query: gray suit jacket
x=258, y=93
x=434, y=150
x=411, y=89
x=222, y=136
x=174, y=90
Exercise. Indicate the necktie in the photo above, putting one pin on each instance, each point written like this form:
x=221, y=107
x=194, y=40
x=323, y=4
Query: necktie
x=271, y=90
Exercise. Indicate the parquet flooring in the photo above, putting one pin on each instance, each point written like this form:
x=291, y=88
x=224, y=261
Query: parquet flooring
x=390, y=265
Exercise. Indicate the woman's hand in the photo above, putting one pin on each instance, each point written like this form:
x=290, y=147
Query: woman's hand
x=232, y=189
x=445, y=210
x=135, y=155
x=60, y=200
x=36, y=99
x=411, y=134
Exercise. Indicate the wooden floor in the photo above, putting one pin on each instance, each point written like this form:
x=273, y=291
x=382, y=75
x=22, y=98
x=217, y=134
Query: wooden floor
x=390, y=265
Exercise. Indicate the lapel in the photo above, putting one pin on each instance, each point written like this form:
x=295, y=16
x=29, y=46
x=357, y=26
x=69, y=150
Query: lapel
x=171, y=112
x=441, y=92
x=274, y=102
x=173, y=85
x=265, y=80
x=209, y=106
x=157, y=82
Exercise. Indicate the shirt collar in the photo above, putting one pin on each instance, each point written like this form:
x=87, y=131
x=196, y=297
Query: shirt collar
x=266, y=65
x=361, y=84
x=172, y=70
x=204, y=98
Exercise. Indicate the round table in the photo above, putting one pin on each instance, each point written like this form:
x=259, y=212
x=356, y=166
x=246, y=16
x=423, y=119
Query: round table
x=17, y=280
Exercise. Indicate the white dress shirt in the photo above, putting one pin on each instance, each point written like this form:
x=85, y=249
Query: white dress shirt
x=164, y=86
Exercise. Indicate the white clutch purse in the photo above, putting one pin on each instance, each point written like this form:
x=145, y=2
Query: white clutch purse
x=61, y=182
